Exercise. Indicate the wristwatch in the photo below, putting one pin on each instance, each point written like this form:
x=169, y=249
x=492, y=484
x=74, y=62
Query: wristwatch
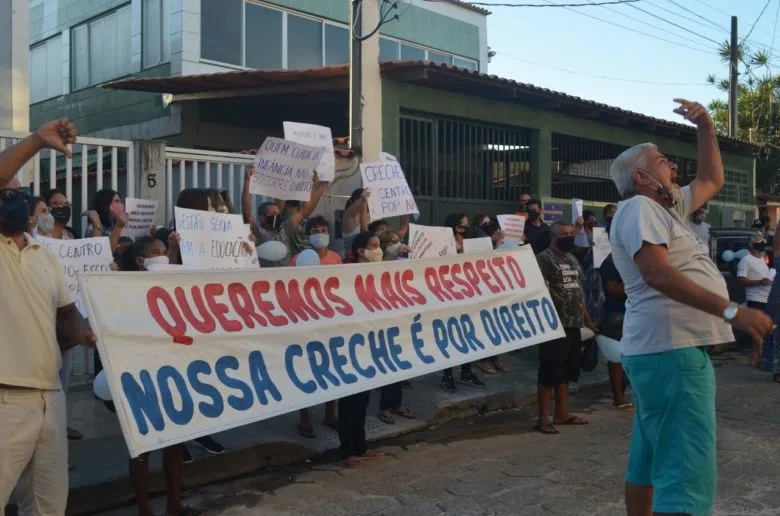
x=730, y=312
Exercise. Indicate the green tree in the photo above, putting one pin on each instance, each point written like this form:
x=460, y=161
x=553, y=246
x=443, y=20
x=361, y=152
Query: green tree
x=758, y=100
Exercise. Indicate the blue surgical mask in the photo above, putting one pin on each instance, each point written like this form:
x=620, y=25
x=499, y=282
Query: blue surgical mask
x=319, y=240
x=45, y=223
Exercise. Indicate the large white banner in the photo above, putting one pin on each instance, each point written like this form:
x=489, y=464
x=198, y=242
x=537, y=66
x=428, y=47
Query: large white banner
x=77, y=257
x=193, y=353
x=314, y=136
x=284, y=169
x=213, y=240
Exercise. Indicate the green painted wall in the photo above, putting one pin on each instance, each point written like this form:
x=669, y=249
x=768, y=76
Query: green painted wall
x=399, y=96
x=417, y=25
x=94, y=109
x=67, y=14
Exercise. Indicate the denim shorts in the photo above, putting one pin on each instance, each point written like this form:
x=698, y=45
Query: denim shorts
x=673, y=440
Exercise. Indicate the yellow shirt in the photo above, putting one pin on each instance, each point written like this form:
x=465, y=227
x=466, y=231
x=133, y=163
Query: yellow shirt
x=32, y=288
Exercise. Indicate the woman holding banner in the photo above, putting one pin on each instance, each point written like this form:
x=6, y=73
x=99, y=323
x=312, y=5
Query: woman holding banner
x=352, y=409
x=462, y=230
x=144, y=252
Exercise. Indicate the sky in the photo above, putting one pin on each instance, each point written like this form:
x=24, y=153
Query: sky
x=661, y=54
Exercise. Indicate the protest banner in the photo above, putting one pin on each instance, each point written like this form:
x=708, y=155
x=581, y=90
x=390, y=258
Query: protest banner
x=314, y=136
x=213, y=240
x=77, y=257
x=513, y=227
x=477, y=245
x=390, y=193
x=141, y=214
x=191, y=354
x=431, y=242
x=284, y=169
x=601, y=247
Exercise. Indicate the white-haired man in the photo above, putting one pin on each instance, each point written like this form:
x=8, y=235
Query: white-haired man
x=677, y=305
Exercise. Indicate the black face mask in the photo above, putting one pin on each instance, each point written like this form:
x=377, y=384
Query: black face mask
x=14, y=213
x=758, y=247
x=533, y=216
x=523, y=207
x=566, y=244
x=61, y=214
x=273, y=221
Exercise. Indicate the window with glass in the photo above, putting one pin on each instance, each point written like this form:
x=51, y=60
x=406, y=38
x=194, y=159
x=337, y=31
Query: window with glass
x=156, y=32
x=388, y=50
x=336, y=45
x=438, y=57
x=263, y=47
x=220, y=30
x=101, y=49
x=410, y=53
x=46, y=70
x=304, y=42
x=468, y=64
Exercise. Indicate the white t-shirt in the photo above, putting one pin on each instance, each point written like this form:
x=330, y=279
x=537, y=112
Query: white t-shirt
x=755, y=269
x=655, y=323
x=701, y=230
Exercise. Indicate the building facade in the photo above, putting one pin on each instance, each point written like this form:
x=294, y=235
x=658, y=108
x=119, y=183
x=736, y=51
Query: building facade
x=75, y=45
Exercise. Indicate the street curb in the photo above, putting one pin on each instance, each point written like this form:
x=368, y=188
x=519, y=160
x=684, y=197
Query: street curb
x=234, y=463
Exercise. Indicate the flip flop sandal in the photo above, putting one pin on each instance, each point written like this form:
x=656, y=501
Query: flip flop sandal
x=624, y=406
x=499, y=366
x=307, y=432
x=487, y=368
x=572, y=421
x=386, y=418
x=370, y=455
x=546, y=429
x=405, y=413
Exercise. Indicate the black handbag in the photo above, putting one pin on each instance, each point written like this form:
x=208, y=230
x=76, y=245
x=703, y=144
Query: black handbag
x=589, y=358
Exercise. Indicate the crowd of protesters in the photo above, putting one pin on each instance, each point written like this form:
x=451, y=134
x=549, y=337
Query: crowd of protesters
x=659, y=269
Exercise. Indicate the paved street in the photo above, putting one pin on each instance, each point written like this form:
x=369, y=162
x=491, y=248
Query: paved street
x=494, y=464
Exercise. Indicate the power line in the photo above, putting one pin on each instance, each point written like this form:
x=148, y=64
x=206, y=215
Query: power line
x=686, y=29
x=610, y=2
x=724, y=29
x=774, y=30
x=583, y=74
x=643, y=22
x=633, y=30
x=757, y=19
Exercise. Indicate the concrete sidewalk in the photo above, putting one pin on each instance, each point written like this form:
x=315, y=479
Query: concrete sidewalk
x=100, y=480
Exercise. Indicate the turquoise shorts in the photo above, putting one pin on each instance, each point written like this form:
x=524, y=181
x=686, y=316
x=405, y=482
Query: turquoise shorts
x=673, y=440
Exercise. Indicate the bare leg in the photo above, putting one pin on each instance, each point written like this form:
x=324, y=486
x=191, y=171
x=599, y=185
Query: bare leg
x=305, y=426
x=639, y=500
x=544, y=397
x=139, y=476
x=616, y=382
x=331, y=414
x=562, y=402
x=172, y=466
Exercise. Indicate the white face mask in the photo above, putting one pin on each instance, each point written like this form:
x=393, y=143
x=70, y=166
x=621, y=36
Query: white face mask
x=394, y=249
x=156, y=260
x=319, y=240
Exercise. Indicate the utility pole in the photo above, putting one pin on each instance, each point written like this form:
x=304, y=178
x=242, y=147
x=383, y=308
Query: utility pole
x=356, y=79
x=733, y=80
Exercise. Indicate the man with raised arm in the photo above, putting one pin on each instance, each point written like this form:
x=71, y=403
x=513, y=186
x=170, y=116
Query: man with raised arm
x=36, y=307
x=677, y=306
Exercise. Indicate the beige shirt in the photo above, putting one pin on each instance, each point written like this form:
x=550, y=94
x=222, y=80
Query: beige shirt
x=33, y=288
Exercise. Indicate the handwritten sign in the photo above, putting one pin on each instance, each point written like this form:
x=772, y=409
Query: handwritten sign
x=79, y=257
x=284, y=169
x=601, y=246
x=195, y=353
x=477, y=245
x=314, y=136
x=577, y=207
x=431, y=241
x=513, y=227
x=141, y=213
x=390, y=193
x=214, y=240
